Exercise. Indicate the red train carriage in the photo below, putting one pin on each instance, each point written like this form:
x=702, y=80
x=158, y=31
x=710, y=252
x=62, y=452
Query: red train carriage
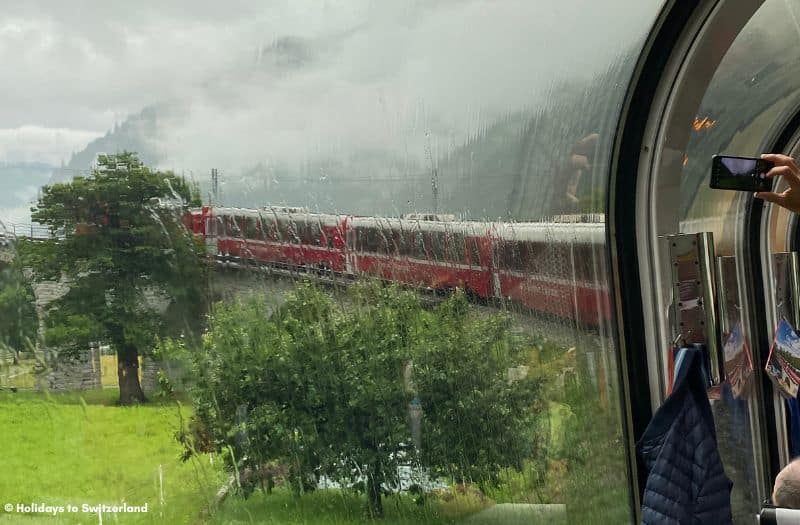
x=431, y=254
x=553, y=268
x=284, y=237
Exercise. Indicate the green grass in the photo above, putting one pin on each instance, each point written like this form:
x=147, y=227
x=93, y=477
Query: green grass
x=334, y=507
x=74, y=449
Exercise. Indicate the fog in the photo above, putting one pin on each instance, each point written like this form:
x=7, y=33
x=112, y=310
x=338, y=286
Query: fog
x=286, y=81
x=413, y=82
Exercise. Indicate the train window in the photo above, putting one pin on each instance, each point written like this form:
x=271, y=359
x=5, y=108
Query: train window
x=474, y=252
x=292, y=234
x=281, y=230
x=371, y=240
x=516, y=256
x=250, y=232
x=417, y=246
x=301, y=232
x=558, y=261
x=314, y=233
x=585, y=263
x=262, y=227
x=272, y=232
x=398, y=242
x=454, y=248
x=435, y=241
x=232, y=227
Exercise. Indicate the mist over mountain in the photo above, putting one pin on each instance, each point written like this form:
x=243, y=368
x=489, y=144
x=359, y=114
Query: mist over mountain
x=20, y=183
x=389, y=111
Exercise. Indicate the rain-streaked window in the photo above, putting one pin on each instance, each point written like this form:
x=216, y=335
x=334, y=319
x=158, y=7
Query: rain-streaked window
x=304, y=262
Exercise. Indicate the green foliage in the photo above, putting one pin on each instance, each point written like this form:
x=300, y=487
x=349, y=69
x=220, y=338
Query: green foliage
x=326, y=388
x=477, y=420
x=118, y=236
x=18, y=318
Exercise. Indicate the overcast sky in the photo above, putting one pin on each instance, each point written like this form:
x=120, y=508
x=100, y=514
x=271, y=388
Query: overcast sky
x=73, y=69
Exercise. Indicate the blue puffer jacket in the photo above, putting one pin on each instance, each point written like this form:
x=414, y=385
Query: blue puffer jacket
x=686, y=483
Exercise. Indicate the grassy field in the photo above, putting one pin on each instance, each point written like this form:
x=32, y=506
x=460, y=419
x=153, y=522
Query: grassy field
x=333, y=507
x=61, y=449
x=71, y=449
x=67, y=449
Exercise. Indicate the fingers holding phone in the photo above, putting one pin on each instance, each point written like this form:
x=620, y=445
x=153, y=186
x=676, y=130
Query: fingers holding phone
x=786, y=167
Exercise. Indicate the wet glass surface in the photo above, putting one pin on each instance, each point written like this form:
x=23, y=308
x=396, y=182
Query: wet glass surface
x=356, y=266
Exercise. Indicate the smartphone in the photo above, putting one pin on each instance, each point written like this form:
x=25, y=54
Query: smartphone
x=740, y=173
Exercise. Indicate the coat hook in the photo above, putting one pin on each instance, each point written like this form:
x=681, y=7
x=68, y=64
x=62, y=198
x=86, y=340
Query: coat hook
x=681, y=338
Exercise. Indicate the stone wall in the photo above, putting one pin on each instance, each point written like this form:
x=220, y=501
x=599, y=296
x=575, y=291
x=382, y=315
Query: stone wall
x=72, y=373
x=151, y=369
x=84, y=372
x=149, y=377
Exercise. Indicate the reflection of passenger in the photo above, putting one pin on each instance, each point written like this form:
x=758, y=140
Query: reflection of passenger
x=787, y=168
x=578, y=163
x=786, y=493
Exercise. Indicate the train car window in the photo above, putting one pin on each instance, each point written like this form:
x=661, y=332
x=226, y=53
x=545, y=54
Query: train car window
x=507, y=254
x=315, y=235
x=302, y=232
x=370, y=240
x=558, y=261
x=435, y=241
x=251, y=232
x=418, y=249
x=292, y=233
x=398, y=242
x=474, y=252
x=232, y=226
x=273, y=232
x=281, y=230
x=454, y=248
x=582, y=262
x=262, y=226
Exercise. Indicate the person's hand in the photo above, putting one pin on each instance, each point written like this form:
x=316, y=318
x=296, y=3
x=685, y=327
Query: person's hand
x=579, y=162
x=785, y=167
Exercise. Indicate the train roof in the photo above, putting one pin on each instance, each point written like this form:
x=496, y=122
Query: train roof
x=558, y=229
x=393, y=223
x=281, y=213
x=576, y=232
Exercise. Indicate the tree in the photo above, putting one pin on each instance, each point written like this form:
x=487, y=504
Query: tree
x=118, y=239
x=18, y=319
x=480, y=408
x=324, y=387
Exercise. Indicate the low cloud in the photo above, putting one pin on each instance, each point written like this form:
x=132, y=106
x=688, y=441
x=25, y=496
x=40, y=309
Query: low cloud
x=39, y=144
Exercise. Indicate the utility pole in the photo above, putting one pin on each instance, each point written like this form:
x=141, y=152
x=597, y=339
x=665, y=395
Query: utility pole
x=215, y=185
x=434, y=172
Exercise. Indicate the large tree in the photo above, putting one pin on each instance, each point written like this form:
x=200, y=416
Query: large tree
x=118, y=239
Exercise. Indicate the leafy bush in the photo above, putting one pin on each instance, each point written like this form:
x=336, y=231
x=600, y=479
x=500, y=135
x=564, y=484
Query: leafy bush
x=330, y=388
